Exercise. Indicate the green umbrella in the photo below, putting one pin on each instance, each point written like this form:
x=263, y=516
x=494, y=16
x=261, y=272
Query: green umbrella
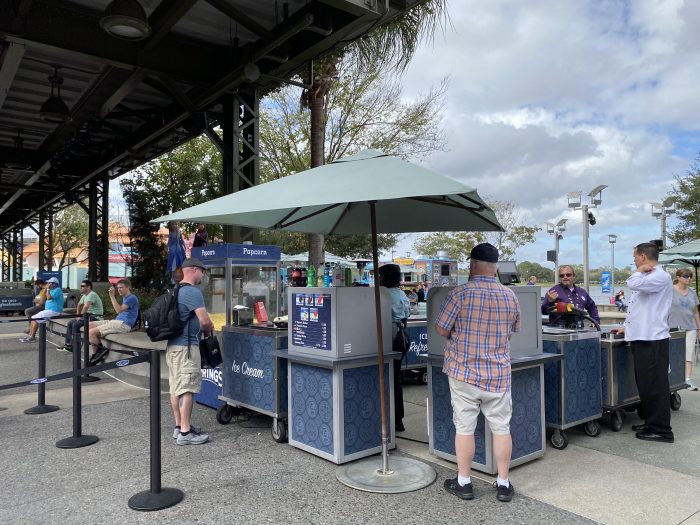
x=366, y=193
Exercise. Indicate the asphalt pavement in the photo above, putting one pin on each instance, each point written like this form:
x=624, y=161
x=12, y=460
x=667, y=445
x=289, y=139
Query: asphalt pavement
x=243, y=476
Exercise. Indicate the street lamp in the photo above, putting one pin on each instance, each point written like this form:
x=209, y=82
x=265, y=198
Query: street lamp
x=612, y=239
x=575, y=203
x=661, y=210
x=556, y=230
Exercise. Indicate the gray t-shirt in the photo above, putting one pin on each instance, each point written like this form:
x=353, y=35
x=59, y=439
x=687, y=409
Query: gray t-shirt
x=683, y=308
x=189, y=299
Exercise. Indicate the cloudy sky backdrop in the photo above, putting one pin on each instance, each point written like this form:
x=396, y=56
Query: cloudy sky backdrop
x=555, y=96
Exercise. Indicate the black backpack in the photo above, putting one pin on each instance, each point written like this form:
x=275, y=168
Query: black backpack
x=162, y=320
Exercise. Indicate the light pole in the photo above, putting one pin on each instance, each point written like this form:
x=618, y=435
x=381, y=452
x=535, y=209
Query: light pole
x=556, y=230
x=612, y=239
x=575, y=203
x=661, y=210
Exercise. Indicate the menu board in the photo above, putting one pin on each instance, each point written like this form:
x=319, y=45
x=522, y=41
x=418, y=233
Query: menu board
x=311, y=320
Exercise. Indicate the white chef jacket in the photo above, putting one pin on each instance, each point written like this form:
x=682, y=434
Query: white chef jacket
x=647, y=311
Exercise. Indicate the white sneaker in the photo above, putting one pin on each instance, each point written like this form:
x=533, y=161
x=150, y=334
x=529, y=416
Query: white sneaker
x=691, y=384
x=192, y=438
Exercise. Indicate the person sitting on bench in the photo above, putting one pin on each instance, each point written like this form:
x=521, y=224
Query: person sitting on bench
x=127, y=314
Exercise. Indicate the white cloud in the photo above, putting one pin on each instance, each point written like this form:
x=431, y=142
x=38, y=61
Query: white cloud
x=555, y=96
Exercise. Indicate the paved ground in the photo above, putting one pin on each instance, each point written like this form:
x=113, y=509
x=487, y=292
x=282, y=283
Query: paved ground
x=244, y=476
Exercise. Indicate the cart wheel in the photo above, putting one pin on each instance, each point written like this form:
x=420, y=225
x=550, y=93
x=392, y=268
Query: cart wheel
x=615, y=421
x=225, y=414
x=675, y=401
x=424, y=377
x=279, y=431
x=592, y=428
x=559, y=440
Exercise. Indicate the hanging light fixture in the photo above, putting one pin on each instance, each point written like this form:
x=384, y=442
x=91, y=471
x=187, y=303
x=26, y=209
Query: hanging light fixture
x=54, y=110
x=18, y=163
x=126, y=19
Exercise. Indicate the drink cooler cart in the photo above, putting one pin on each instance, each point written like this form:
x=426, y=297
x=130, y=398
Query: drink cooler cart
x=619, y=386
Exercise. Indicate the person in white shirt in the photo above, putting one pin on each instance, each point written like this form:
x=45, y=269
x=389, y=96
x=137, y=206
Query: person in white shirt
x=646, y=331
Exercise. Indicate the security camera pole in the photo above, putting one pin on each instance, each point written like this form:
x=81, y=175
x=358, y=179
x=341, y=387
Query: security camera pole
x=575, y=203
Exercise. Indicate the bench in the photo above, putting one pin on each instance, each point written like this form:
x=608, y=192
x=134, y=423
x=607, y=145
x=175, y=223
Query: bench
x=136, y=375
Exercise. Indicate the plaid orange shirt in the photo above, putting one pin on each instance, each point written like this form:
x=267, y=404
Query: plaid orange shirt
x=480, y=316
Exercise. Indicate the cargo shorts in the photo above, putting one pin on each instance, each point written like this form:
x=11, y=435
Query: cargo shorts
x=184, y=371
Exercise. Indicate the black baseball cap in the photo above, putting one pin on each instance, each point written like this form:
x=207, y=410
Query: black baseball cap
x=484, y=252
x=193, y=262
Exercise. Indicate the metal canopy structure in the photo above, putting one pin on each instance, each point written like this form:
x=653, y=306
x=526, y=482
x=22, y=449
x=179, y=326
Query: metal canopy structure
x=204, y=63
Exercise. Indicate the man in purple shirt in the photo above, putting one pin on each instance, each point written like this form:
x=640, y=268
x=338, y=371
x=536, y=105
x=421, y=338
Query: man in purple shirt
x=567, y=292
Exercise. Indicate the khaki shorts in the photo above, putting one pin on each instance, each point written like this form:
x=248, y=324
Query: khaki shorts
x=468, y=400
x=111, y=327
x=184, y=373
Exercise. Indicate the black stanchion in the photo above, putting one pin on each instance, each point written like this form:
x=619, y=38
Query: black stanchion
x=77, y=440
x=41, y=407
x=87, y=378
x=157, y=497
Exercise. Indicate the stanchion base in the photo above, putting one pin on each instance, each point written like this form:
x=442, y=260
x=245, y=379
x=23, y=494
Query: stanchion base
x=146, y=501
x=76, y=442
x=89, y=379
x=405, y=475
x=41, y=409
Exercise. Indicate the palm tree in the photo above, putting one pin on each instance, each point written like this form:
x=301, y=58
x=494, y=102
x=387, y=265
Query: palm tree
x=393, y=45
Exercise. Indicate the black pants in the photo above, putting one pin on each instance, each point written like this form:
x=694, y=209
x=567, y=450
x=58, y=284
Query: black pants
x=74, y=327
x=651, y=374
x=398, y=391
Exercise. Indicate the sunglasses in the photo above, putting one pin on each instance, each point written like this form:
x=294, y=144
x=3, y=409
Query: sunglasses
x=685, y=276
x=566, y=275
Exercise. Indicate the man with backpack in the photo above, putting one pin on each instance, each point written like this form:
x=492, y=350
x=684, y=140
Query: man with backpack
x=182, y=353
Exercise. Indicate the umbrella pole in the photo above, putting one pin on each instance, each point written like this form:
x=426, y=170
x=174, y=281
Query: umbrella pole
x=380, y=342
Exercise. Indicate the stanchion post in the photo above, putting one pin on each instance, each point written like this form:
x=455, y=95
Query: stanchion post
x=157, y=497
x=87, y=378
x=77, y=440
x=41, y=407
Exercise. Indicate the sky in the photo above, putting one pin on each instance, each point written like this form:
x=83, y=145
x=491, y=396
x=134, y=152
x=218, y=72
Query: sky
x=556, y=96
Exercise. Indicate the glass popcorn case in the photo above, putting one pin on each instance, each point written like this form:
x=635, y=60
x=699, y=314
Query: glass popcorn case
x=242, y=284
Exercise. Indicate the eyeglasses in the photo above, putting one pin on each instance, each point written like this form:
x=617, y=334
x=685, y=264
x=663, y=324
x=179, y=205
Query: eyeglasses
x=566, y=275
x=685, y=276
x=83, y=285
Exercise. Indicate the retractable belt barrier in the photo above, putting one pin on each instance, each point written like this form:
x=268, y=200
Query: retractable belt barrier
x=157, y=497
x=77, y=373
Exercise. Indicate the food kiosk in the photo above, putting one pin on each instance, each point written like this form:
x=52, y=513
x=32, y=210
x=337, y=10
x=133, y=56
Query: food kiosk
x=572, y=386
x=527, y=388
x=240, y=278
x=334, y=402
x=618, y=384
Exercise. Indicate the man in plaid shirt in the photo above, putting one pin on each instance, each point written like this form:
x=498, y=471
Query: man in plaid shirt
x=478, y=319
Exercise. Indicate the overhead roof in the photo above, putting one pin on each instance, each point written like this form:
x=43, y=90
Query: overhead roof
x=131, y=101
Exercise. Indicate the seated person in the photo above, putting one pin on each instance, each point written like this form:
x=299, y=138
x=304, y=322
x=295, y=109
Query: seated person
x=567, y=292
x=52, y=307
x=127, y=314
x=620, y=301
x=91, y=304
x=39, y=302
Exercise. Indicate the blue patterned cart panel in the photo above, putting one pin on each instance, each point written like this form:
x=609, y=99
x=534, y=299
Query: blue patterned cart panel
x=525, y=425
x=312, y=406
x=418, y=348
x=361, y=416
x=249, y=372
x=581, y=397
